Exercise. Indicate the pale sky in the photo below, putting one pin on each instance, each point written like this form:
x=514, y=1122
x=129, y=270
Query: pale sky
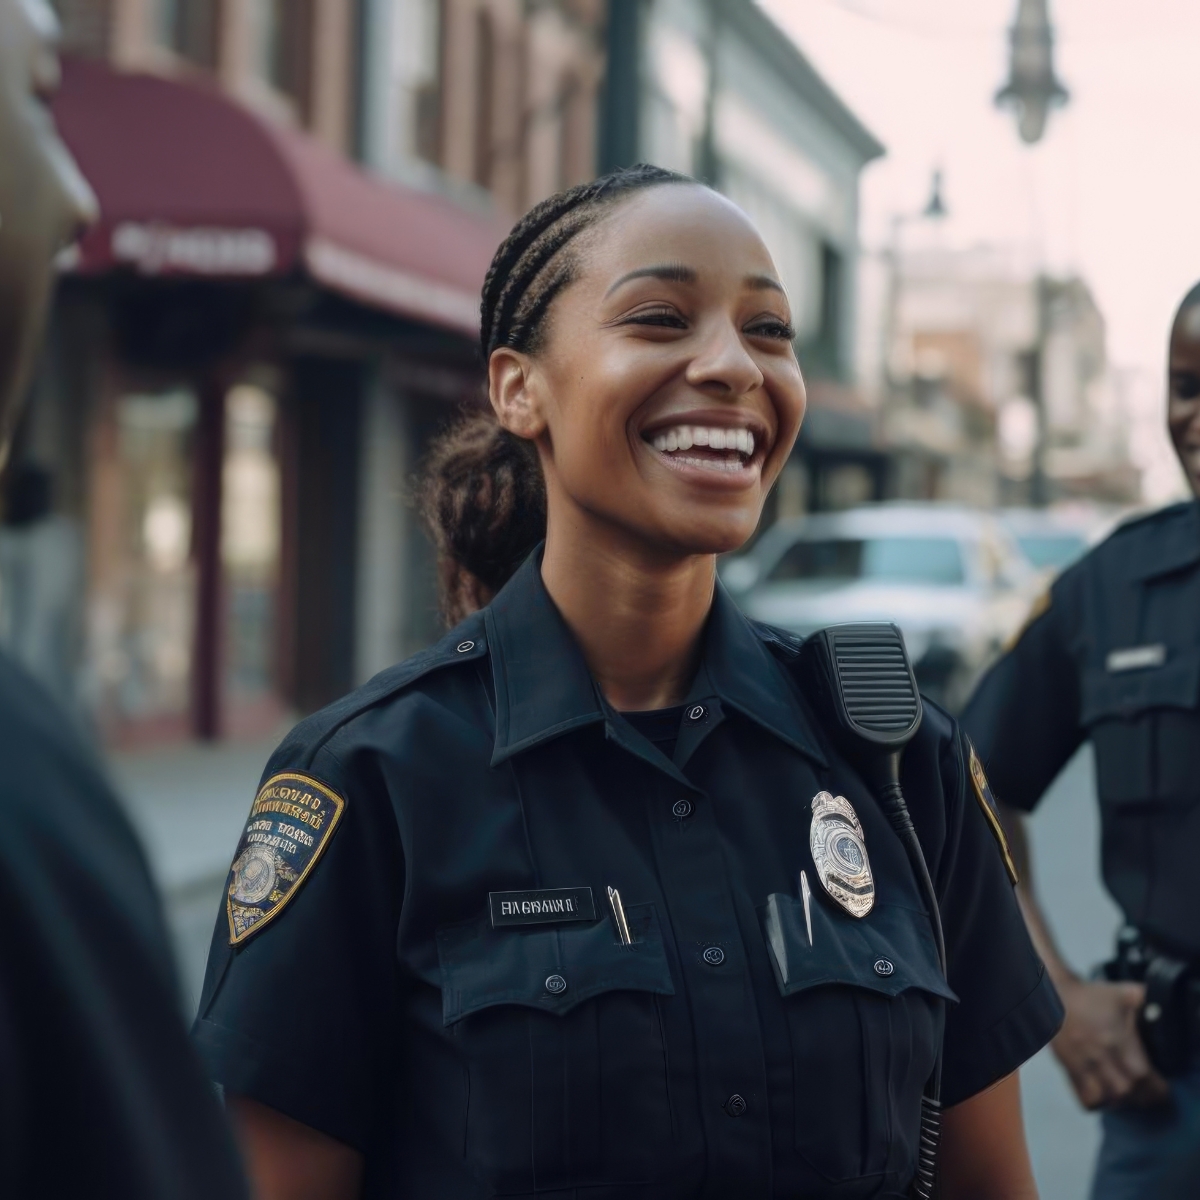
x=1113, y=190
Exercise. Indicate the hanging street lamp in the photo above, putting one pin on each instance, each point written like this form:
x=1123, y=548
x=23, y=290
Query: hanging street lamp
x=1032, y=87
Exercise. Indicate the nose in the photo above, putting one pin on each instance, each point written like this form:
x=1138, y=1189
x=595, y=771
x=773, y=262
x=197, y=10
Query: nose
x=722, y=363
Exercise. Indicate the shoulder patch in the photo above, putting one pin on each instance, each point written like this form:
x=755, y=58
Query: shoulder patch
x=1038, y=608
x=290, y=824
x=983, y=793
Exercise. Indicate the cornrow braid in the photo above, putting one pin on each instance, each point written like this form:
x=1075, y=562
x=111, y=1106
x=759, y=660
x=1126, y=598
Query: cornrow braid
x=530, y=268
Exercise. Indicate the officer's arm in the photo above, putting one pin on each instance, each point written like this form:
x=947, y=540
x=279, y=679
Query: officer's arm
x=983, y=1155
x=290, y=1161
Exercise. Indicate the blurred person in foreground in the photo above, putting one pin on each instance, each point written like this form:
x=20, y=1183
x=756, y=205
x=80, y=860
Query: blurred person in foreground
x=1112, y=655
x=99, y=1093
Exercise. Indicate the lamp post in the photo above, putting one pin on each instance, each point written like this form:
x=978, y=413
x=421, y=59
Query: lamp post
x=1032, y=87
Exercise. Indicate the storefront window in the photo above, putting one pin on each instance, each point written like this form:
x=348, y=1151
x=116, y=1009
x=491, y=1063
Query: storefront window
x=143, y=617
x=250, y=529
x=189, y=27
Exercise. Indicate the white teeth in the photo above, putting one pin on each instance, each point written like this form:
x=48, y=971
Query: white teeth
x=684, y=437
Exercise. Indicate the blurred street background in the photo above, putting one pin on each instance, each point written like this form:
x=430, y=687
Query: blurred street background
x=984, y=216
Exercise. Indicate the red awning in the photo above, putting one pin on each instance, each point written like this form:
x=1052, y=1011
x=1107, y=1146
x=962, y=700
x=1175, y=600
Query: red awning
x=192, y=183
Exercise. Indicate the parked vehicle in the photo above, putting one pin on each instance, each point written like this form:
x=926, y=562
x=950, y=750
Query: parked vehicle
x=951, y=578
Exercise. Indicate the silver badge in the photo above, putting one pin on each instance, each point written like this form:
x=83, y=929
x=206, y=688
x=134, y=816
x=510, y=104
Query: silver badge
x=840, y=853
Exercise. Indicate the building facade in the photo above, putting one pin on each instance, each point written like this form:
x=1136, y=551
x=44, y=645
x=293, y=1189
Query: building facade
x=249, y=355
x=992, y=379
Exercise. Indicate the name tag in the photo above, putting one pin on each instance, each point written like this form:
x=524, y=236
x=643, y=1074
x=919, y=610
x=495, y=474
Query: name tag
x=1135, y=658
x=542, y=907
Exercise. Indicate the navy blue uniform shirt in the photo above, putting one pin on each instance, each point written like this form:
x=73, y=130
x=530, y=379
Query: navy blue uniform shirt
x=1115, y=659
x=375, y=999
x=101, y=1094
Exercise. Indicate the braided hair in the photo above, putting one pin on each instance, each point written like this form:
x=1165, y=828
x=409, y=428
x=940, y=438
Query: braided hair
x=481, y=493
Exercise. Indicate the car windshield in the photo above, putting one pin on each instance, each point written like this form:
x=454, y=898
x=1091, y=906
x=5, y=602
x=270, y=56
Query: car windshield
x=1055, y=550
x=925, y=560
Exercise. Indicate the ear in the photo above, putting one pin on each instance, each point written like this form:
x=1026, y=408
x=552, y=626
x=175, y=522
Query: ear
x=512, y=395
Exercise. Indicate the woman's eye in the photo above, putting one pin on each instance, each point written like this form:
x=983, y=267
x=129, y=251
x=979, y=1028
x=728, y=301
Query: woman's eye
x=1185, y=385
x=666, y=318
x=773, y=328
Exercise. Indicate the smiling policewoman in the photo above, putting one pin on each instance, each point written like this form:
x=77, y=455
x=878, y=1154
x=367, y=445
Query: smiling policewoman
x=590, y=899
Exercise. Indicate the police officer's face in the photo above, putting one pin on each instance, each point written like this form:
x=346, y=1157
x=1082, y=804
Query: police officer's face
x=667, y=395
x=44, y=201
x=1183, y=392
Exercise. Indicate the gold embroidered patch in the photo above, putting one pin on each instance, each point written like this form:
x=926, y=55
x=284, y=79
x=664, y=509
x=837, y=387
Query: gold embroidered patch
x=983, y=793
x=290, y=824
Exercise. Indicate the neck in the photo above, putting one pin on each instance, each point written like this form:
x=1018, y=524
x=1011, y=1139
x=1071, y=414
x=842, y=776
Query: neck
x=637, y=614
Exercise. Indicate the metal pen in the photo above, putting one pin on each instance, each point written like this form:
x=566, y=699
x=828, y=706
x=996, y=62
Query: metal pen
x=618, y=911
x=806, y=897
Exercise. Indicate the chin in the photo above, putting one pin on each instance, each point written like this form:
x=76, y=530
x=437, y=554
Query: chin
x=714, y=537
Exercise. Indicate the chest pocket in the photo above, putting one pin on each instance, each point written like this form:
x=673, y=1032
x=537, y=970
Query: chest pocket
x=559, y=1032
x=1145, y=726
x=865, y=1013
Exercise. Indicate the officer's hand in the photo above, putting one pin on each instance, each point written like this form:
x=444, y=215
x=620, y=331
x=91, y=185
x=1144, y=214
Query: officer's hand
x=1100, y=1048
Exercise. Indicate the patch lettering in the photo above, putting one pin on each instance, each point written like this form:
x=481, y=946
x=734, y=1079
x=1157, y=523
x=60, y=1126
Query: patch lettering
x=290, y=824
x=983, y=793
x=543, y=907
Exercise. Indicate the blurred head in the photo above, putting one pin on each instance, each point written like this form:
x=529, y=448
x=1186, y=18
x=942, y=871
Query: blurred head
x=1183, y=386
x=638, y=335
x=44, y=201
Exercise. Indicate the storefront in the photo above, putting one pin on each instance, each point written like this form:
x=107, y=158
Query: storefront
x=246, y=359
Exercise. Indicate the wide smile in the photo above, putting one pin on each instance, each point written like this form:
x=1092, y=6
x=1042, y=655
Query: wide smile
x=707, y=452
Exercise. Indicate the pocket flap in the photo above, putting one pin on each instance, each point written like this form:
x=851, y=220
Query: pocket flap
x=1124, y=694
x=550, y=969
x=889, y=950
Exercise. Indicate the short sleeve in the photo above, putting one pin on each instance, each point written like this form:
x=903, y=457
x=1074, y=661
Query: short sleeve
x=1024, y=716
x=298, y=1005
x=1008, y=1008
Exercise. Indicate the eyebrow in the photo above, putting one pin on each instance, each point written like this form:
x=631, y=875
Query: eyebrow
x=761, y=283
x=670, y=272
x=678, y=273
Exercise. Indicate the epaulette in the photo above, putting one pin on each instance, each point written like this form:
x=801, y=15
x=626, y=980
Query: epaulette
x=464, y=643
x=780, y=642
x=1155, y=543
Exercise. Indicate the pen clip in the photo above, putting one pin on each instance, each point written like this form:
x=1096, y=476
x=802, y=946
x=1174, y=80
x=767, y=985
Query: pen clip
x=618, y=911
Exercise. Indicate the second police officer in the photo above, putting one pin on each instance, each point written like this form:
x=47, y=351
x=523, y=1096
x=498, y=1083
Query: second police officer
x=587, y=896
x=1112, y=656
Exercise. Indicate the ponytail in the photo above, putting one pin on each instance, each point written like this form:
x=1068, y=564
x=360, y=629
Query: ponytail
x=483, y=500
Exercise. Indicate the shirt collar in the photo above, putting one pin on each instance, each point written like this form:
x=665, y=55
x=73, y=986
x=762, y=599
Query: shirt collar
x=544, y=688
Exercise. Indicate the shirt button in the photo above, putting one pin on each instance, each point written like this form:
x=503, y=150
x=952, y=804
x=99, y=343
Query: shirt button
x=714, y=956
x=556, y=985
x=735, y=1105
x=682, y=808
x=696, y=712
x=883, y=967
x=463, y=647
